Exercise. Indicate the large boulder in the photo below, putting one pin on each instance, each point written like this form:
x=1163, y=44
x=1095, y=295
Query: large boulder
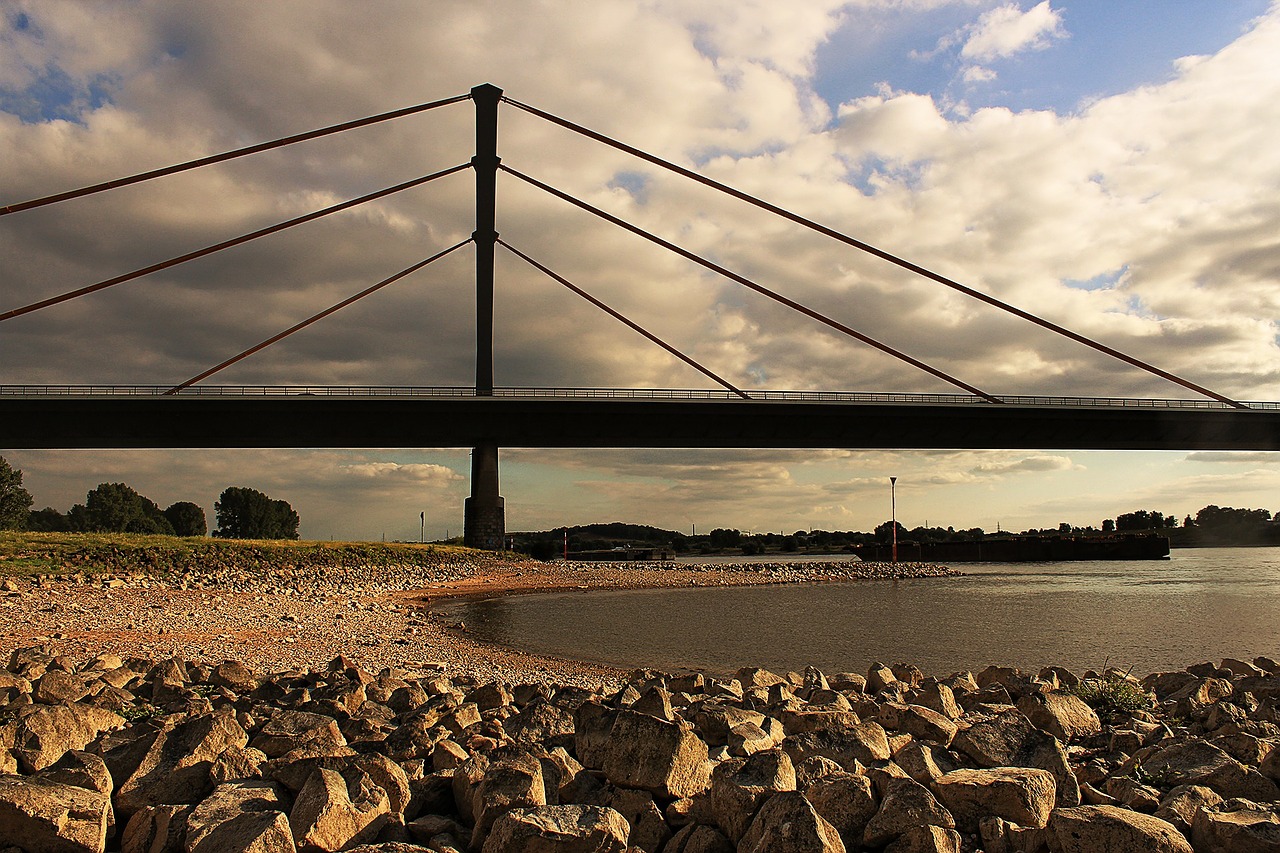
x=46, y=734
x=1243, y=830
x=156, y=829
x=1197, y=762
x=918, y=721
x=788, y=823
x=864, y=743
x=286, y=731
x=559, y=829
x=332, y=812
x=51, y=817
x=926, y=839
x=1180, y=805
x=846, y=801
x=906, y=803
x=665, y=759
x=511, y=782
x=172, y=765
x=1062, y=715
x=1008, y=739
x=1089, y=829
x=1020, y=795
x=739, y=786
x=245, y=817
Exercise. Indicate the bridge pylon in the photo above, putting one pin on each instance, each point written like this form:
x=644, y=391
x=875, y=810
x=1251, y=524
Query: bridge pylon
x=485, y=517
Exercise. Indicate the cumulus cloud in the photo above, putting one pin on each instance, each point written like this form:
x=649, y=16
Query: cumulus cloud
x=1171, y=183
x=1029, y=463
x=1008, y=30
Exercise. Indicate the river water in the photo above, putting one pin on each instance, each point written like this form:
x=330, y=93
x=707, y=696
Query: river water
x=1201, y=604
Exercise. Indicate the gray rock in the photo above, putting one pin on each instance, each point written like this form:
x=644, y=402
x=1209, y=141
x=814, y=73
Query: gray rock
x=788, y=823
x=1242, y=830
x=1020, y=795
x=660, y=757
x=846, y=802
x=926, y=839
x=1008, y=739
x=906, y=803
x=332, y=812
x=51, y=817
x=739, y=786
x=1089, y=829
x=559, y=829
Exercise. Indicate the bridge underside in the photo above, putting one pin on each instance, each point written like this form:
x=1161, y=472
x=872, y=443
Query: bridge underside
x=305, y=421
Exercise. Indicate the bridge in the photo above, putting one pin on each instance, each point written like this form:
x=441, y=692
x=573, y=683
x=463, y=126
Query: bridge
x=487, y=416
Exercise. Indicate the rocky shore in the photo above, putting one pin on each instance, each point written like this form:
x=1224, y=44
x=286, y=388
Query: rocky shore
x=194, y=713
x=161, y=756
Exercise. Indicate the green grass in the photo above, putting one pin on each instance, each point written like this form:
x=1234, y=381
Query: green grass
x=26, y=554
x=1113, y=697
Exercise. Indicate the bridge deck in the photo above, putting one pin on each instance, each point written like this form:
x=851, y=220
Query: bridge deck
x=139, y=416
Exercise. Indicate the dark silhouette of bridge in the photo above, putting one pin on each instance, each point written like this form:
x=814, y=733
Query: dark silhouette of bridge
x=486, y=416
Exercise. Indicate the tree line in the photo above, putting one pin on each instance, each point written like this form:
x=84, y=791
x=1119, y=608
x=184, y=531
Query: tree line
x=241, y=513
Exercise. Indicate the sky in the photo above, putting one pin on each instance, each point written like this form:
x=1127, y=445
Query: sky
x=1109, y=166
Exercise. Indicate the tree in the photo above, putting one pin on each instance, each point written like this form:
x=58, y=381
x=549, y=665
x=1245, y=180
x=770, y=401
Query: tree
x=15, y=501
x=1143, y=520
x=47, y=520
x=724, y=538
x=1108, y=525
x=884, y=532
x=117, y=508
x=1226, y=516
x=187, y=519
x=249, y=514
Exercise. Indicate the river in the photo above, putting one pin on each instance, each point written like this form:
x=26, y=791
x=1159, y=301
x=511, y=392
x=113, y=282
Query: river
x=1201, y=604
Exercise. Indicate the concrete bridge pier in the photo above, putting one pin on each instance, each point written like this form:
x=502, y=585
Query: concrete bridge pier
x=486, y=524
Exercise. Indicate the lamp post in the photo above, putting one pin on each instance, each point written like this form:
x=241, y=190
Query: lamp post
x=893, y=514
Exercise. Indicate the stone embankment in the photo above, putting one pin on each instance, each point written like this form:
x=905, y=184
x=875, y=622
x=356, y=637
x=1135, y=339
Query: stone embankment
x=161, y=756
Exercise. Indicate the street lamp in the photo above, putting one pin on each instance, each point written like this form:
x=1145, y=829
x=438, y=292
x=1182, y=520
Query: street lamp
x=893, y=514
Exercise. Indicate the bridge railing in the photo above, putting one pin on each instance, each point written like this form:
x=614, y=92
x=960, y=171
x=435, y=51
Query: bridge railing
x=394, y=391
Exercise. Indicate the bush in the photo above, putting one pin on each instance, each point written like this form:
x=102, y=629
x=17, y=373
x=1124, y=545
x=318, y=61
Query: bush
x=1112, y=696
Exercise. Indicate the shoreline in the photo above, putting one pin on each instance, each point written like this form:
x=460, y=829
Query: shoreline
x=378, y=616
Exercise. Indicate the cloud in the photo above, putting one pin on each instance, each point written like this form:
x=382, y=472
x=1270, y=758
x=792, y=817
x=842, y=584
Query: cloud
x=393, y=470
x=1007, y=30
x=1027, y=464
x=1231, y=458
x=1171, y=183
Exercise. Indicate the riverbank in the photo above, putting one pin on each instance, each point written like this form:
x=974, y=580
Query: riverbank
x=285, y=605
x=300, y=708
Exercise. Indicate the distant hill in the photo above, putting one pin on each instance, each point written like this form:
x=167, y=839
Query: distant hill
x=613, y=531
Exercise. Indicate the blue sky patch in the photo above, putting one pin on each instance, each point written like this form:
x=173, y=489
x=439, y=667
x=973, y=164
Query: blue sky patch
x=1102, y=281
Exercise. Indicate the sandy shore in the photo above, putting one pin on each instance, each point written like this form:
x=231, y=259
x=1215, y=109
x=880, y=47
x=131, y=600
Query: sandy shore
x=277, y=625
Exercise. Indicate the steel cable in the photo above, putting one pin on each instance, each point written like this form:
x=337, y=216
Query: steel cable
x=872, y=250
x=777, y=297
x=228, y=155
x=618, y=316
x=315, y=318
x=226, y=244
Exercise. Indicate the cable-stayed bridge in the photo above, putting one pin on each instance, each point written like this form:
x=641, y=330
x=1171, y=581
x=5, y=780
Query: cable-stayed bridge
x=485, y=416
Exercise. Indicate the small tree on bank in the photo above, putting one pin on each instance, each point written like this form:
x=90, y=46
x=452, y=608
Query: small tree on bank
x=15, y=501
x=187, y=519
x=249, y=514
x=117, y=508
